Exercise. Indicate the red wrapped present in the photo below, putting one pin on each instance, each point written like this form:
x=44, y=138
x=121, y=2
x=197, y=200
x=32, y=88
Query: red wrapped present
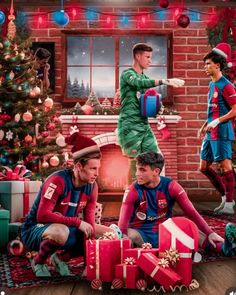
x=128, y=272
x=181, y=234
x=102, y=256
x=136, y=252
x=159, y=270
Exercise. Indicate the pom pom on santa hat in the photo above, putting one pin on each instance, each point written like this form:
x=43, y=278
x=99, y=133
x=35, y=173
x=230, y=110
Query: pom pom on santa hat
x=224, y=50
x=82, y=145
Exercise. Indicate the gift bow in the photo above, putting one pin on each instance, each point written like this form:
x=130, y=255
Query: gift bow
x=172, y=255
x=130, y=261
x=108, y=236
x=163, y=262
x=18, y=173
x=147, y=246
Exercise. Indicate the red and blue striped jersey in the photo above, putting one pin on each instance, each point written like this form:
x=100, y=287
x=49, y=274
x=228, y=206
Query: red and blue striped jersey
x=221, y=97
x=59, y=201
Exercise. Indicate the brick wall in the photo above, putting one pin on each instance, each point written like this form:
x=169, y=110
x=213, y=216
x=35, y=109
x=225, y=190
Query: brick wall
x=189, y=47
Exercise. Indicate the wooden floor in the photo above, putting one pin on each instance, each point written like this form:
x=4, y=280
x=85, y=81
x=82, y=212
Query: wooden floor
x=214, y=279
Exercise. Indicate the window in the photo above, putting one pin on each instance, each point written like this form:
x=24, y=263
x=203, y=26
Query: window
x=95, y=62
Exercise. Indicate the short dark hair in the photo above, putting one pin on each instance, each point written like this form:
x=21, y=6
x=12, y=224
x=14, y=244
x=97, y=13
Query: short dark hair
x=140, y=48
x=42, y=53
x=84, y=159
x=216, y=58
x=153, y=159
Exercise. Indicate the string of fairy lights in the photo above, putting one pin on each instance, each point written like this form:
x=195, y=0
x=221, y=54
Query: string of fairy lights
x=181, y=14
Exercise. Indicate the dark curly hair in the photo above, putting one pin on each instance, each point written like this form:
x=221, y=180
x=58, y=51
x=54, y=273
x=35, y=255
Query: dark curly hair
x=217, y=59
x=154, y=160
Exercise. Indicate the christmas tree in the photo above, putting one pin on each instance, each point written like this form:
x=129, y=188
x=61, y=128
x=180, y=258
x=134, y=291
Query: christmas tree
x=27, y=118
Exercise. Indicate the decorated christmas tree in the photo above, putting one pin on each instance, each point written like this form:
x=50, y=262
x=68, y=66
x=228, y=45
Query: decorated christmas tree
x=27, y=119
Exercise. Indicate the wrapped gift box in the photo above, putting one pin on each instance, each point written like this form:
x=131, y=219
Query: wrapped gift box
x=150, y=105
x=129, y=274
x=102, y=256
x=14, y=197
x=136, y=252
x=181, y=234
x=164, y=275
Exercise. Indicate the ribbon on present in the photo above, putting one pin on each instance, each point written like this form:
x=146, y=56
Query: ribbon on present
x=94, y=258
x=172, y=255
x=147, y=246
x=162, y=263
x=130, y=261
x=108, y=236
x=18, y=173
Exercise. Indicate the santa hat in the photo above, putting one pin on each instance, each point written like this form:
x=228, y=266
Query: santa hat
x=224, y=50
x=82, y=145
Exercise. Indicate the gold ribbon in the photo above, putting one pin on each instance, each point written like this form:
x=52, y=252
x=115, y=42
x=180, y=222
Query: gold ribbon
x=130, y=261
x=147, y=246
x=108, y=236
x=163, y=262
x=172, y=255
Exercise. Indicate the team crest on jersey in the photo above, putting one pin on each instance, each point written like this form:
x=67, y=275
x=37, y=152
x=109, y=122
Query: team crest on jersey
x=162, y=203
x=50, y=191
x=141, y=215
x=82, y=205
x=215, y=94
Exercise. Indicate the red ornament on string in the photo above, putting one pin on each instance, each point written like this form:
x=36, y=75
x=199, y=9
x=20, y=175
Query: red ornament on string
x=15, y=247
x=164, y=3
x=183, y=21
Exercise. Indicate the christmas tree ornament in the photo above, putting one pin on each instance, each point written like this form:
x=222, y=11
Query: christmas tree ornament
x=87, y=109
x=106, y=103
x=17, y=117
x=45, y=133
x=9, y=135
x=54, y=161
x=15, y=247
x=60, y=140
x=1, y=45
x=36, y=90
x=27, y=116
x=28, y=138
x=39, y=100
x=183, y=20
x=45, y=164
x=2, y=17
x=51, y=126
x=11, y=28
x=164, y=3
x=48, y=102
x=96, y=284
x=32, y=93
x=117, y=284
x=1, y=134
x=22, y=55
x=60, y=17
x=141, y=285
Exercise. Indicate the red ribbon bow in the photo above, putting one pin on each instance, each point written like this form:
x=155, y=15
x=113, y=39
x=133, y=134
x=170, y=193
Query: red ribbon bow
x=18, y=173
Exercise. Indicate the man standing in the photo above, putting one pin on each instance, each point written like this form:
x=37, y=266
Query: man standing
x=219, y=128
x=53, y=222
x=134, y=133
x=150, y=202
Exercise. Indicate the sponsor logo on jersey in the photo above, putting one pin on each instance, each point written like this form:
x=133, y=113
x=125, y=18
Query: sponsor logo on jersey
x=141, y=215
x=50, y=191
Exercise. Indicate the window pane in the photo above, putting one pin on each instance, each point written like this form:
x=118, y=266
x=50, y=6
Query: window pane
x=159, y=45
x=78, y=51
x=78, y=82
x=126, y=44
x=103, y=82
x=103, y=51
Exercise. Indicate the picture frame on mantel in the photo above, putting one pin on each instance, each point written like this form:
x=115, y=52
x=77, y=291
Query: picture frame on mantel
x=50, y=46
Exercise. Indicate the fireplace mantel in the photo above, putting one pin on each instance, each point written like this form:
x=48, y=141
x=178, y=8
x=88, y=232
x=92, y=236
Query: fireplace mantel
x=84, y=119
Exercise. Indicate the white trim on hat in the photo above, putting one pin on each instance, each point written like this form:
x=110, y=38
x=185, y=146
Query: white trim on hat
x=85, y=151
x=220, y=52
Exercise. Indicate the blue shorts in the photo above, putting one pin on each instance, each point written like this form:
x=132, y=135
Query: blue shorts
x=149, y=237
x=216, y=150
x=31, y=236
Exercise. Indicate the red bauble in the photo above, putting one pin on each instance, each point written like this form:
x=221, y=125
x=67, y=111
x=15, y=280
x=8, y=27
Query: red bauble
x=54, y=161
x=183, y=21
x=96, y=284
x=15, y=247
x=164, y=3
x=28, y=138
x=51, y=126
x=45, y=133
x=87, y=109
x=141, y=285
x=117, y=284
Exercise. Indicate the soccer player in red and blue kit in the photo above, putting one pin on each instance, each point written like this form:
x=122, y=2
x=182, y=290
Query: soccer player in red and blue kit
x=219, y=129
x=53, y=222
x=150, y=201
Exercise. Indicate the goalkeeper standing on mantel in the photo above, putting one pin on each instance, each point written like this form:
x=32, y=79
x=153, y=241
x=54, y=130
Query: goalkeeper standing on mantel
x=134, y=132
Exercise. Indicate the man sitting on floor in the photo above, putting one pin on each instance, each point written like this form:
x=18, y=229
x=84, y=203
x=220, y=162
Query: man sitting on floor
x=150, y=202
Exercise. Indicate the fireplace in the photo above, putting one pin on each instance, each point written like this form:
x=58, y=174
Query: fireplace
x=113, y=175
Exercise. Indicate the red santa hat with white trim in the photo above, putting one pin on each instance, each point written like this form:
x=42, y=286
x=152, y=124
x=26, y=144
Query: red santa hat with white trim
x=82, y=145
x=224, y=50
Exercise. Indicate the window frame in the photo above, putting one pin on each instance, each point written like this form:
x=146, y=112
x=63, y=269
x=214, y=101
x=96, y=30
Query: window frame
x=116, y=33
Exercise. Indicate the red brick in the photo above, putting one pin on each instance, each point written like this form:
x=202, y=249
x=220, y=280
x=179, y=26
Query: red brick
x=179, y=57
x=203, y=82
x=186, y=49
x=179, y=73
x=202, y=116
x=188, y=184
x=187, y=167
x=179, y=41
x=187, y=150
x=185, y=99
x=181, y=107
x=196, y=74
x=179, y=90
x=189, y=116
x=194, y=141
x=181, y=142
x=195, y=57
x=197, y=90
x=195, y=159
x=203, y=50
x=205, y=184
x=185, y=65
x=181, y=124
x=203, y=99
x=196, y=175
x=185, y=32
x=194, y=124
x=198, y=41
x=196, y=107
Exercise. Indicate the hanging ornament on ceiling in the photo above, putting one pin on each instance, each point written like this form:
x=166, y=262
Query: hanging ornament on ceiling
x=60, y=17
x=11, y=28
x=2, y=17
x=164, y=3
x=183, y=20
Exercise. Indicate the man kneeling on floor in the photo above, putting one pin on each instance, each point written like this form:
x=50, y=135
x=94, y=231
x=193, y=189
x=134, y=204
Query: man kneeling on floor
x=53, y=223
x=150, y=202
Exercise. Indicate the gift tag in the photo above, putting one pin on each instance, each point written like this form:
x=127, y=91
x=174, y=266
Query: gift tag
x=197, y=257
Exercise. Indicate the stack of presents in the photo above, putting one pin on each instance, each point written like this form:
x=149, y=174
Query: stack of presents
x=168, y=267
x=17, y=194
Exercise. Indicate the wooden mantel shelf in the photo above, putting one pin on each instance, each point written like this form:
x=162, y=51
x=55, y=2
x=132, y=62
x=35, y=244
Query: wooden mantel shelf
x=84, y=119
